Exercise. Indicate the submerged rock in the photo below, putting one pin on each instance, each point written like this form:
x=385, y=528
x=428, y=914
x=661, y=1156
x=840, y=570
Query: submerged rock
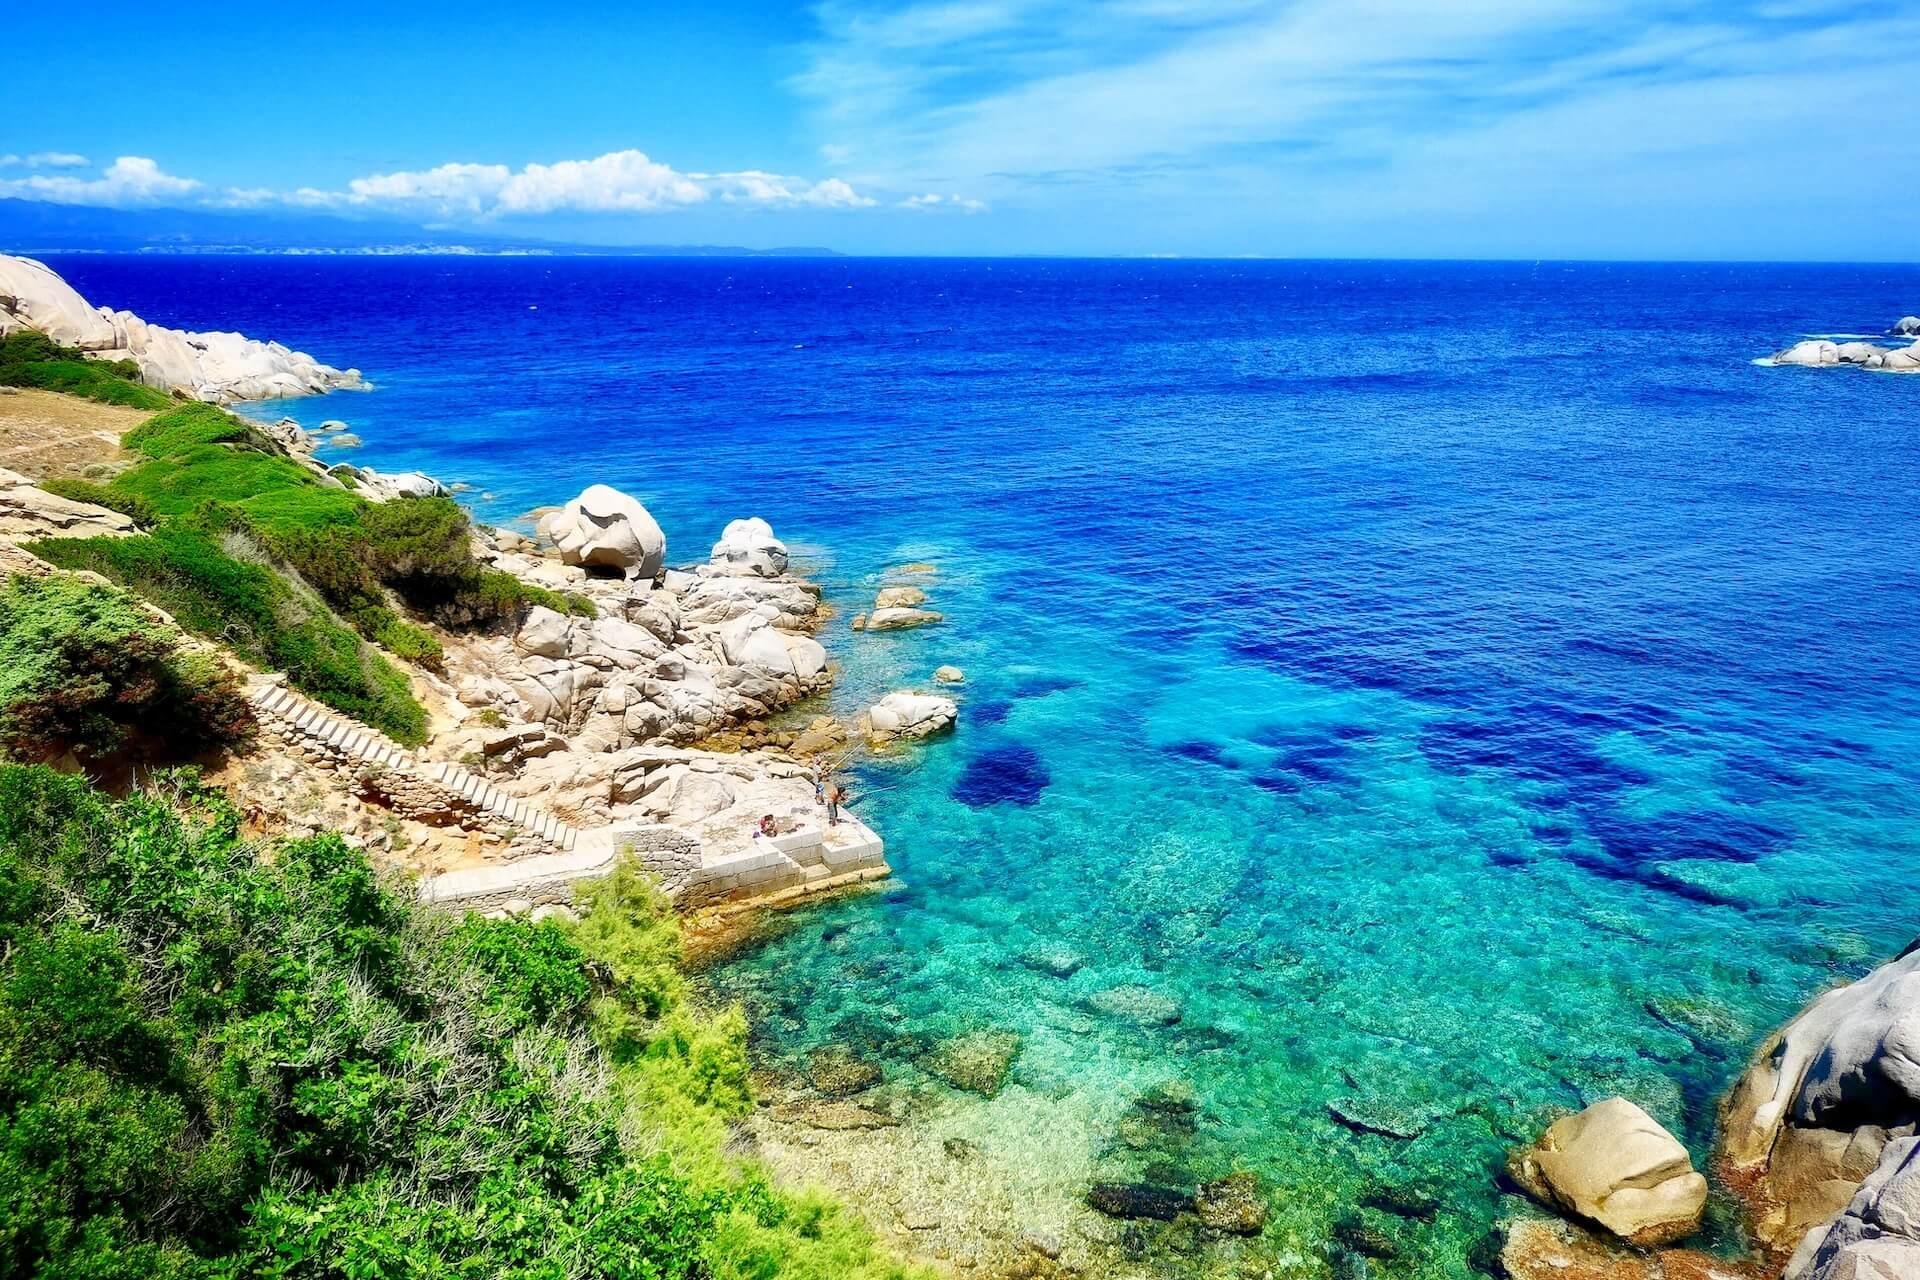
x=836, y=1116
x=1138, y=1200
x=1142, y=1006
x=1233, y=1204
x=897, y=619
x=899, y=598
x=1388, y=1117
x=978, y=1061
x=1614, y=1166
x=1055, y=959
x=837, y=1072
x=1544, y=1249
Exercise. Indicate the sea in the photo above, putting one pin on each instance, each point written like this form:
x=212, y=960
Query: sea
x=1404, y=701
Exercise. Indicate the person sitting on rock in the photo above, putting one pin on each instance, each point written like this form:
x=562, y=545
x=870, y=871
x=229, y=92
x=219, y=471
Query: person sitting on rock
x=768, y=826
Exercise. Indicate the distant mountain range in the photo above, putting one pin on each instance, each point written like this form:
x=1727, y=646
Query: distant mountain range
x=32, y=226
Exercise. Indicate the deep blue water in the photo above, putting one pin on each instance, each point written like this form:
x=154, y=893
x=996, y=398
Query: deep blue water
x=1466, y=690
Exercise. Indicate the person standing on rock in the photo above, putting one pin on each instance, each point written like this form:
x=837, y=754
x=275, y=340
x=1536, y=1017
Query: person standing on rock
x=836, y=797
x=820, y=779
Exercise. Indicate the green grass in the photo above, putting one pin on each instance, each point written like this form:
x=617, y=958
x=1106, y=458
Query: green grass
x=29, y=359
x=217, y=1064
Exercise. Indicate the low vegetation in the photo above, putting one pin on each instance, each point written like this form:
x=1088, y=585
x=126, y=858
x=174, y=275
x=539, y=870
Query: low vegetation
x=218, y=1064
x=226, y=588
x=29, y=359
x=248, y=547
x=83, y=668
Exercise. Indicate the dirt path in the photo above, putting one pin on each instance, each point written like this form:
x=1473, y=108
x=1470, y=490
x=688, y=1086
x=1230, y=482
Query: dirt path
x=43, y=433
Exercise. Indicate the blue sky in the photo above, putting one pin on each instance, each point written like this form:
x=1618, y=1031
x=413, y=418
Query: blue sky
x=1463, y=128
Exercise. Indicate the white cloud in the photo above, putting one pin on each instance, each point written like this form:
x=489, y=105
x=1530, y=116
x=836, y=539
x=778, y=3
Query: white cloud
x=618, y=182
x=128, y=180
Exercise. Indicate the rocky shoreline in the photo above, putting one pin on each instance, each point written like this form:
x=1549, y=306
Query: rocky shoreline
x=1817, y=1144
x=217, y=367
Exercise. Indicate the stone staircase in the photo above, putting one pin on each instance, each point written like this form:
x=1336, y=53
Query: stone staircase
x=308, y=719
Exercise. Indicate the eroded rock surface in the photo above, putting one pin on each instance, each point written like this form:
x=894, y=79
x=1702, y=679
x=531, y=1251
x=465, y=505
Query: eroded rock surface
x=1815, y=1113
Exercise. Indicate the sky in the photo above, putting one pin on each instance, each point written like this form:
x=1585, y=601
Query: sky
x=1775, y=130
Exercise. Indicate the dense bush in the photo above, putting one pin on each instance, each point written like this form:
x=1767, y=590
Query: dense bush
x=82, y=667
x=213, y=1064
x=260, y=615
x=29, y=359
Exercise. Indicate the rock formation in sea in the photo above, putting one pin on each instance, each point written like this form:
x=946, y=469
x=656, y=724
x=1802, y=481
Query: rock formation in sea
x=1614, y=1166
x=218, y=367
x=1820, y=352
x=1825, y=1104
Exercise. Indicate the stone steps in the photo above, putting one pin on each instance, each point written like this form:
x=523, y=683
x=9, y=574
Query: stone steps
x=312, y=720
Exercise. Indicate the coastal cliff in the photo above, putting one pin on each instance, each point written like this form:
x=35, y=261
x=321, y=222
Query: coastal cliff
x=217, y=367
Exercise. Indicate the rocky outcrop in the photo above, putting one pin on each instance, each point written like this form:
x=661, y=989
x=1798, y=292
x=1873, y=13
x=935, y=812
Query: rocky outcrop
x=1878, y=1236
x=910, y=715
x=1818, y=352
x=1614, y=1166
x=1906, y=327
x=896, y=619
x=219, y=367
x=28, y=512
x=748, y=547
x=1817, y=1110
x=603, y=528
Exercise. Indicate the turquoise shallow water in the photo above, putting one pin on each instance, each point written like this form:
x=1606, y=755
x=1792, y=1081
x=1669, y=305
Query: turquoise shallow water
x=1458, y=691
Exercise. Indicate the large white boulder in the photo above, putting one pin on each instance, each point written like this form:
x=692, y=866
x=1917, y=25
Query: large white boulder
x=604, y=528
x=33, y=296
x=1814, y=352
x=1613, y=1165
x=1906, y=327
x=1812, y=1116
x=904, y=714
x=748, y=548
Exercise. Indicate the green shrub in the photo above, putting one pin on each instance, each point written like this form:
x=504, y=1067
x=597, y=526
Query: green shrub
x=213, y=1064
x=257, y=613
x=189, y=425
x=30, y=359
x=130, y=505
x=82, y=668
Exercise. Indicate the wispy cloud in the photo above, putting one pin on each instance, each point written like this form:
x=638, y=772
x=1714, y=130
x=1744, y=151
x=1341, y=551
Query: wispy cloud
x=1319, y=97
x=44, y=160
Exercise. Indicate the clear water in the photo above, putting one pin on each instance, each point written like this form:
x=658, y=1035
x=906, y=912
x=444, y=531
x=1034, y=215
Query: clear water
x=1466, y=690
